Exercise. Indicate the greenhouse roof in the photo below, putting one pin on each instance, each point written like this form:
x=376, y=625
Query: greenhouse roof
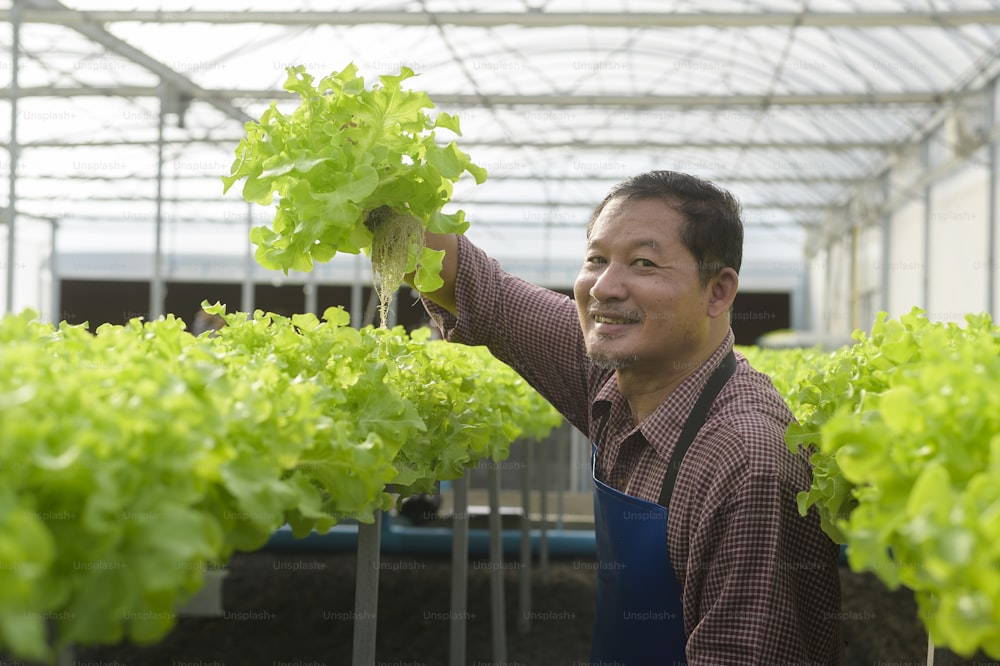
x=798, y=107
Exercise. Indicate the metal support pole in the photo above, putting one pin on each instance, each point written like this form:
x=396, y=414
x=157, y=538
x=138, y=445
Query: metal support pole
x=156, y=290
x=926, y=282
x=247, y=295
x=366, y=591
x=543, y=509
x=13, y=150
x=524, y=620
x=855, y=298
x=56, y=291
x=357, y=302
x=459, y=572
x=886, y=250
x=312, y=290
x=562, y=456
x=829, y=308
x=802, y=315
x=938, y=656
x=498, y=608
x=993, y=200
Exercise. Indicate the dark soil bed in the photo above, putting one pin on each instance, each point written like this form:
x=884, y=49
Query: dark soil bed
x=296, y=609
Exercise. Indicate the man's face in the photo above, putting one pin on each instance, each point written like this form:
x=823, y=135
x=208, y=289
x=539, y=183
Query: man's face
x=642, y=307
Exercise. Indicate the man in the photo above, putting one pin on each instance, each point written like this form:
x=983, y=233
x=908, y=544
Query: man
x=702, y=555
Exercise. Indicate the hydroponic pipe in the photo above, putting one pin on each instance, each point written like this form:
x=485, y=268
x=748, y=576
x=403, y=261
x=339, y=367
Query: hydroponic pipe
x=398, y=539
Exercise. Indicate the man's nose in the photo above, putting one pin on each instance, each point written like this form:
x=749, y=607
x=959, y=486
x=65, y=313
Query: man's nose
x=609, y=284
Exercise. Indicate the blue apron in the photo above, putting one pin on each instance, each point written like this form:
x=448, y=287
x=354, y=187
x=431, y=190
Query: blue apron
x=639, y=617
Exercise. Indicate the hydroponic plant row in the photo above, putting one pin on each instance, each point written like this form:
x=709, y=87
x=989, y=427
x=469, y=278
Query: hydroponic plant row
x=905, y=428
x=136, y=457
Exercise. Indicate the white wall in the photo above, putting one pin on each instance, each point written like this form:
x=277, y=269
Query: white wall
x=836, y=319
x=958, y=245
x=816, y=292
x=936, y=257
x=31, y=271
x=905, y=265
x=868, y=277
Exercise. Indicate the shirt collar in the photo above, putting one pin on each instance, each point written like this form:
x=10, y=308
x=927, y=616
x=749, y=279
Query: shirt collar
x=673, y=412
x=677, y=407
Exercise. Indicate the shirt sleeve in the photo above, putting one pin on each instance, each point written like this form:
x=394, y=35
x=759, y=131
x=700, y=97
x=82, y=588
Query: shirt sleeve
x=765, y=590
x=532, y=329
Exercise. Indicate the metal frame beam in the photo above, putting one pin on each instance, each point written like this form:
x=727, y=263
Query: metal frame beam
x=566, y=203
x=829, y=146
x=96, y=33
x=528, y=19
x=749, y=222
x=217, y=98
x=499, y=177
x=14, y=151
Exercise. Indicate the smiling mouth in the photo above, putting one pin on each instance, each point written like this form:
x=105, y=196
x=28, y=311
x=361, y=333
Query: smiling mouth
x=606, y=319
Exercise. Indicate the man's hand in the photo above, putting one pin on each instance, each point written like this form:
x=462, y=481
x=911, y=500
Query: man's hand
x=445, y=296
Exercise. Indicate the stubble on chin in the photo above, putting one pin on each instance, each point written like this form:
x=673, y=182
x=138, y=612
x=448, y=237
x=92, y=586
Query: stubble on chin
x=612, y=362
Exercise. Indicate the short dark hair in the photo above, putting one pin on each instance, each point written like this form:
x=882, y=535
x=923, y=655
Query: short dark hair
x=713, y=229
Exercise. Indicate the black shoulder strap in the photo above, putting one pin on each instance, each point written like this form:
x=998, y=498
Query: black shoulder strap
x=695, y=420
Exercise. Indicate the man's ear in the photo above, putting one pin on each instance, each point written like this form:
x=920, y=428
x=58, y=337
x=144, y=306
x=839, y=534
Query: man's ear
x=722, y=292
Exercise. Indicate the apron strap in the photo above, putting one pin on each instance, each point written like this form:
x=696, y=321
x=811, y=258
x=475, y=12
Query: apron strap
x=695, y=420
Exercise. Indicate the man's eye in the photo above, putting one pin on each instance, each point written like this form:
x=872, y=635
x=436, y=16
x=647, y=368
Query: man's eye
x=645, y=263
x=595, y=259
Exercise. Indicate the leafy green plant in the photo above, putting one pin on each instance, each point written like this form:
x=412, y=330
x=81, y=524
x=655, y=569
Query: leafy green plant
x=111, y=443
x=473, y=407
x=136, y=457
x=788, y=369
x=350, y=160
x=905, y=429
